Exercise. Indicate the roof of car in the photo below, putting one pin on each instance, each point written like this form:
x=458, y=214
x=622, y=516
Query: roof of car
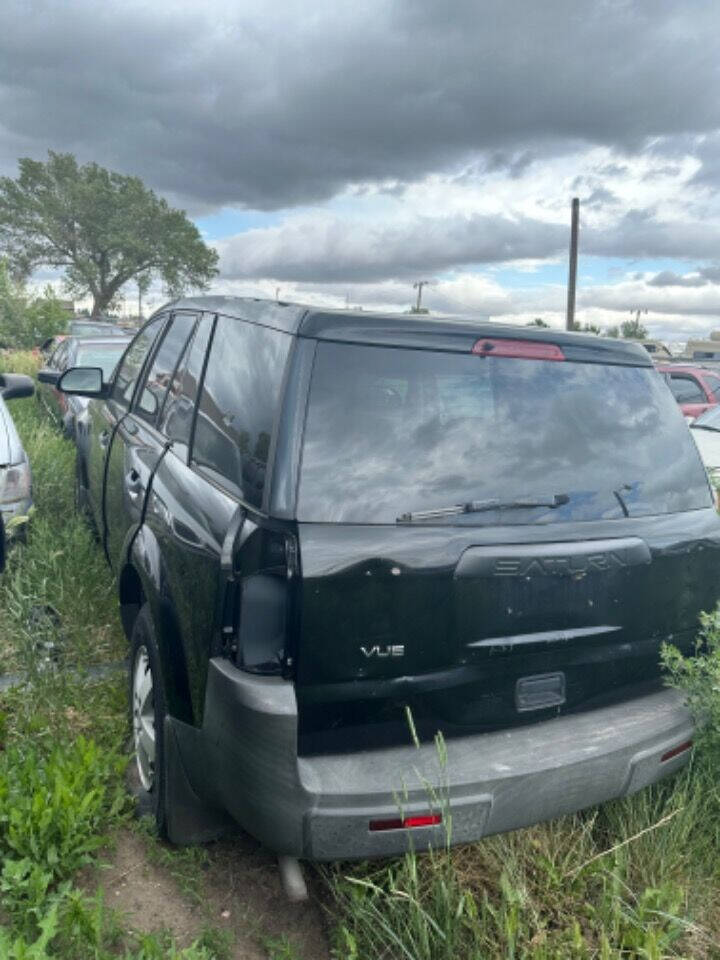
x=104, y=341
x=685, y=368
x=412, y=330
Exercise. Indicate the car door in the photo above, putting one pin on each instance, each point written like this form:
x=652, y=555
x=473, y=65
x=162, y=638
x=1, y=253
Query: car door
x=137, y=444
x=104, y=416
x=689, y=393
x=711, y=385
x=213, y=475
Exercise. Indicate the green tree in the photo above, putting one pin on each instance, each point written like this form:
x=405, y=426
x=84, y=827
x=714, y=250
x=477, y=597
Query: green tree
x=612, y=332
x=102, y=228
x=24, y=321
x=633, y=329
x=586, y=328
x=538, y=322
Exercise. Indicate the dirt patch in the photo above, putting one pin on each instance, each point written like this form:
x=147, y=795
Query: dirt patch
x=236, y=888
x=144, y=892
x=243, y=881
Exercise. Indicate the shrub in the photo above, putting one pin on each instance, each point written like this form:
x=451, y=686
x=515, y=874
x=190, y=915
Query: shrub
x=26, y=321
x=698, y=676
x=52, y=806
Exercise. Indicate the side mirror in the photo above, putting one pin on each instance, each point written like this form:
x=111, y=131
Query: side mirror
x=83, y=381
x=13, y=385
x=46, y=375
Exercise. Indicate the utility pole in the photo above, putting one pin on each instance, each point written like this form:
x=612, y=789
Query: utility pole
x=418, y=285
x=572, y=272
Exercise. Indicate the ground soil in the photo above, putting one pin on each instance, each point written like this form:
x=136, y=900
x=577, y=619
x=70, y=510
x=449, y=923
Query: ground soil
x=239, y=890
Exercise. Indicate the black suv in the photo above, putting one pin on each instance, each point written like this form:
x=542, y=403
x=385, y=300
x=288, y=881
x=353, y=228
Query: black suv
x=337, y=534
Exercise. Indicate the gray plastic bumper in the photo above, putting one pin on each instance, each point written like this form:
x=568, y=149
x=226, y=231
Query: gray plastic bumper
x=246, y=761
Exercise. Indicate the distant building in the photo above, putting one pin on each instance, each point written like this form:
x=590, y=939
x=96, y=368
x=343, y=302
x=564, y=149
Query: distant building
x=657, y=349
x=703, y=349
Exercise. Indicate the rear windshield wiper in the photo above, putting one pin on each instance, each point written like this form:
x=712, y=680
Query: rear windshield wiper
x=481, y=506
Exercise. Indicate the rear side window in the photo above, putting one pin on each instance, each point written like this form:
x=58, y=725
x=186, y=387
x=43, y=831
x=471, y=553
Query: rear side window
x=392, y=432
x=686, y=389
x=177, y=415
x=166, y=359
x=239, y=399
x=132, y=363
x=60, y=357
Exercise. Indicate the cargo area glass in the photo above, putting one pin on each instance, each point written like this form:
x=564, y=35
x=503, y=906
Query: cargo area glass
x=392, y=432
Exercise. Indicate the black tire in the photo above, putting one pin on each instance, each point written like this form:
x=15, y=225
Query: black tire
x=82, y=504
x=151, y=797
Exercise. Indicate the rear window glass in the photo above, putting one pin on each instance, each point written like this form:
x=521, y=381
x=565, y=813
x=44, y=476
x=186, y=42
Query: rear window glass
x=95, y=329
x=104, y=355
x=394, y=431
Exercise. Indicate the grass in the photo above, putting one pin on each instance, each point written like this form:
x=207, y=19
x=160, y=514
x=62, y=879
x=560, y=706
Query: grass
x=63, y=734
x=637, y=879
x=60, y=568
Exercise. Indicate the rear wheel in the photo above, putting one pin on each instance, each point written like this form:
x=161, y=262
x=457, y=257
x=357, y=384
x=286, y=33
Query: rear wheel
x=148, y=710
x=82, y=503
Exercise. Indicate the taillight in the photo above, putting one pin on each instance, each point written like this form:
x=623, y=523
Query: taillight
x=676, y=751
x=519, y=349
x=266, y=602
x=406, y=823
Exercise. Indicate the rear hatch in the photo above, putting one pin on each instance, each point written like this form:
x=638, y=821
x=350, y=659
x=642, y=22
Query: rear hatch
x=490, y=535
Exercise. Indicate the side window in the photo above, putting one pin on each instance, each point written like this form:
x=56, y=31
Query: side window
x=239, y=399
x=177, y=416
x=167, y=357
x=132, y=363
x=59, y=358
x=713, y=385
x=686, y=389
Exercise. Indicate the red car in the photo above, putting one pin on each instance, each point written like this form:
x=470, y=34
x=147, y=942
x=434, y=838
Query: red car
x=696, y=388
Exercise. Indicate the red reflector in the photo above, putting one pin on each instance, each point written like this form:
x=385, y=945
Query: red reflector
x=681, y=748
x=520, y=349
x=406, y=823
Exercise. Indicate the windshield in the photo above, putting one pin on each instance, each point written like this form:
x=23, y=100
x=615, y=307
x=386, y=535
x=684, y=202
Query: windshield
x=710, y=419
x=392, y=432
x=104, y=355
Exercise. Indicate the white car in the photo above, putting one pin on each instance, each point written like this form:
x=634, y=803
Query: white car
x=15, y=475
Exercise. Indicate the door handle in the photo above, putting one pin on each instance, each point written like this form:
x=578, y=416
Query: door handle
x=104, y=438
x=133, y=482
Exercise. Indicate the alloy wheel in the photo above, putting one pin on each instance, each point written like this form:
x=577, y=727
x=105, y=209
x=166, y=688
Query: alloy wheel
x=143, y=716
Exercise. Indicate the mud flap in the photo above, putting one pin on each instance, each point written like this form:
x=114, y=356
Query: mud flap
x=188, y=818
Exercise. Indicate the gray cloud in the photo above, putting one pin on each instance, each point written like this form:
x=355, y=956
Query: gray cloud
x=599, y=197
x=326, y=249
x=270, y=105
x=668, y=278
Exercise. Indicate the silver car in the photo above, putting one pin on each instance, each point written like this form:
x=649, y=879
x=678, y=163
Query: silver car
x=15, y=475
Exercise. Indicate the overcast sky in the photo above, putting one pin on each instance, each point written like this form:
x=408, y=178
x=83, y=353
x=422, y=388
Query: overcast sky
x=342, y=150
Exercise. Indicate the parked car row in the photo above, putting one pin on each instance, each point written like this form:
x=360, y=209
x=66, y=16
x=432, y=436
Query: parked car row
x=15, y=474
x=325, y=523
x=696, y=388
x=103, y=352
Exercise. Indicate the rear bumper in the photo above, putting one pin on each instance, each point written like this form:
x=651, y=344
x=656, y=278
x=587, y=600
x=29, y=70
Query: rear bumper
x=245, y=760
